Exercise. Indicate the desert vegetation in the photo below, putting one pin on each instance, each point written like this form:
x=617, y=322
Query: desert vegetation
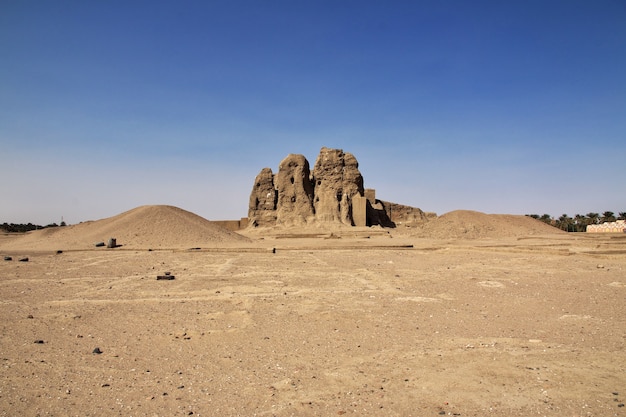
x=23, y=228
x=579, y=222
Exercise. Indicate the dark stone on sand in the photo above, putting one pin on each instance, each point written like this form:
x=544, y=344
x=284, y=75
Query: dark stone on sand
x=23, y=259
x=59, y=252
x=97, y=351
x=8, y=258
x=39, y=342
x=165, y=277
x=100, y=244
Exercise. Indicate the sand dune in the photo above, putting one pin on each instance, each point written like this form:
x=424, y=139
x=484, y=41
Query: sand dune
x=168, y=227
x=144, y=227
x=466, y=224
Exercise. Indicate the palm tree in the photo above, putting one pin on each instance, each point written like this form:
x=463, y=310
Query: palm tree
x=546, y=218
x=593, y=218
x=564, y=222
x=608, y=216
x=580, y=222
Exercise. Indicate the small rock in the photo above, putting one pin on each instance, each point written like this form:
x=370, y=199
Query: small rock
x=8, y=258
x=23, y=259
x=99, y=244
x=39, y=341
x=600, y=266
x=165, y=277
x=106, y=385
x=59, y=252
x=97, y=351
x=620, y=404
x=30, y=316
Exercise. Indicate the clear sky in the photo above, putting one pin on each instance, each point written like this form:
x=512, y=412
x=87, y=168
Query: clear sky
x=496, y=106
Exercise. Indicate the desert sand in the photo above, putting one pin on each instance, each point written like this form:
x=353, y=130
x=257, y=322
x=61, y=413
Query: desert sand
x=468, y=315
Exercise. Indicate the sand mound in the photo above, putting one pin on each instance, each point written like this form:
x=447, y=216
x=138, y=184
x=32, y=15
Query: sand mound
x=465, y=224
x=144, y=227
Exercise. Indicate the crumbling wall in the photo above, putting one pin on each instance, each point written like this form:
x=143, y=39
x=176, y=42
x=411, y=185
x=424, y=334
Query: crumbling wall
x=295, y=191
x=336, y=179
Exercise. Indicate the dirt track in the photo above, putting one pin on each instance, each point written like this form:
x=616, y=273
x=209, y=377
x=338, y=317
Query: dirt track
x=349, y=326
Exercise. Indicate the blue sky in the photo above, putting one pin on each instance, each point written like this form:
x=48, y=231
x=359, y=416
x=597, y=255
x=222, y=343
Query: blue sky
x=496, y=106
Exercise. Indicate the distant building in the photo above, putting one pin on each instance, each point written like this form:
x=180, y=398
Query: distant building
x=618, y=226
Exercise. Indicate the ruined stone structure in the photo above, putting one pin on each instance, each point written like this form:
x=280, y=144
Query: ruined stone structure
x=332, y=193
x=337, y=180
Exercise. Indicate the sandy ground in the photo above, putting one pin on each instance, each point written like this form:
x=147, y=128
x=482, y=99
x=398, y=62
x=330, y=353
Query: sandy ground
x=362, y=324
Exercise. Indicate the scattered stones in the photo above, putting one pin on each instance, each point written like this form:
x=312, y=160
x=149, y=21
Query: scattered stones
x=97, y=351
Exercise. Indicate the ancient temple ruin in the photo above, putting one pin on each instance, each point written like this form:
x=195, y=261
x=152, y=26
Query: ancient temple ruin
x=332, y=193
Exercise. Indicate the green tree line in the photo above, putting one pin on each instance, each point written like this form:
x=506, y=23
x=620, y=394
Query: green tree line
x=23, y=228
x=579, y=222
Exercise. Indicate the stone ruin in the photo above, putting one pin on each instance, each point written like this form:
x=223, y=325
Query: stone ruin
x=332, y=193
